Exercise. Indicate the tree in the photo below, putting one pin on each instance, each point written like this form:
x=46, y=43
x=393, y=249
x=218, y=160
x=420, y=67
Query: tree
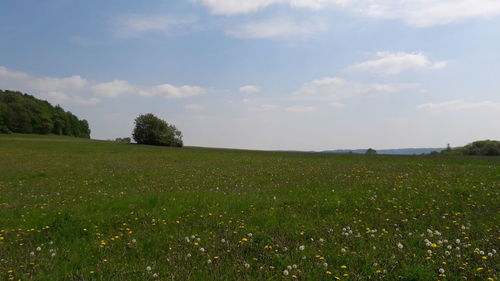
x=371, y=151
x=151, y=130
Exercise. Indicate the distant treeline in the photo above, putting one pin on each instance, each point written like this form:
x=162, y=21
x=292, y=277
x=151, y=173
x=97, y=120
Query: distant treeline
x=22, y=113
x=485, y=147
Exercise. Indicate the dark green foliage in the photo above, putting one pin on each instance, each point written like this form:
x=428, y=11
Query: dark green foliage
x=151, y=130
x=484, y=148
x=22, y=113
x=371, y=151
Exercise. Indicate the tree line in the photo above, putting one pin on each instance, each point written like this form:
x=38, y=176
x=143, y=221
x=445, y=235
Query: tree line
x=23, y=113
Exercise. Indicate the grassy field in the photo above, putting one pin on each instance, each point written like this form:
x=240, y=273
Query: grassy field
x=73, y=209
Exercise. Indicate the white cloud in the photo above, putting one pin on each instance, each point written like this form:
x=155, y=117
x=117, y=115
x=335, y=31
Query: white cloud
x=263, y=107
x=129, y=26
x=62, y=98
x=10, y=74
x=334, y=89
x=300, y=108
x=231, y=7
x=194, y=107
x=420, y=13
x=429, y=12
x=395, y=63
x=173, y=92
x=336, y=105
x=76, y=89
x=459, y=105
x=250, y=89
x=58, y=84
x=278, y=28
x=113, y=89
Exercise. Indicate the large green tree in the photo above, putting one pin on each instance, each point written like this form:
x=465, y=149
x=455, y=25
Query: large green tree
x=151, y=130
x=22, y=113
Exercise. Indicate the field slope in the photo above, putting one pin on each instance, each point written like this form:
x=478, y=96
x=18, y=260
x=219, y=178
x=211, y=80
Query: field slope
x=73, y=209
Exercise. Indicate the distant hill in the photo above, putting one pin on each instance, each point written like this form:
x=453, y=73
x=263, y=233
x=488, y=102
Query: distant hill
x=400, y=151
x=22, y=113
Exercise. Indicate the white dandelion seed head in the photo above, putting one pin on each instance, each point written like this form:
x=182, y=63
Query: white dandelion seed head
x=155, y=275
x=202, y=250
x=250, y=234
x=285, y=272
x=441, y=271
x=148, y=268
x=247, y=265
x=53, y=255
x=325, y=264
x=188, y=255
x=32, y=253
x=302, y=247
x=209, y=261
x=289, y=267
x=38, y=249
x=134, y=241
x=294, y=266
x=400, y=245
x=223, y=240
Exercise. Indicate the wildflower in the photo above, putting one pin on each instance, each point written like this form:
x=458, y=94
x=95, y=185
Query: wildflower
x=457, y=241
x=400, y=245
x=38, y=249
x=134, y=241
x=343, y=250
x=294, y=266
x=302, y=247
x=148, y=268
x=250, y=234
x=223, y=240
x=53, y=255
x=188, y=255
x=202, y=250
x=289, y=267
x=325, y=264
x=441, y=271
x=343, y=266
x=155, y=275
x=32, y=253
x=209, y=261
x=285, y=272
x=247, y=265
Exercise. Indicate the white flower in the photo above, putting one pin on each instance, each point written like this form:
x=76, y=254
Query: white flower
x=321, y=240
x=250, y=234
x=289, y=267
x=198, y=239
x=302, y=247
x=294, y=266
x=32, y=253
x=457, y=241
x=441, y=271
x=209, y=261
x=494, y=251
x=325, y=264
x=53, y=255
x=247, y=265
x=155, y=275
x=481, y=253
x=202, y=250
x=490, y=255
x=429, y=252
x=285, y=272
x=187, y=239
x=400, y=245
x=343, y=250
x=188, y=255
x=148, y=268
x=38, y=249
x=447, y=253
x=192, y=237
x=134, y=241
x=223, y=240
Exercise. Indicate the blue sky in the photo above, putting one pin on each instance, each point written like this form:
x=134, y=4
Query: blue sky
x=265, y=74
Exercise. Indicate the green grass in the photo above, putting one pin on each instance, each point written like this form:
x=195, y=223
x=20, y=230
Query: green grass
x=108, y=211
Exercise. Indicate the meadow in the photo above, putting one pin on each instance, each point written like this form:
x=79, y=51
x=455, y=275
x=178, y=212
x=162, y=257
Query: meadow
x=75, y=209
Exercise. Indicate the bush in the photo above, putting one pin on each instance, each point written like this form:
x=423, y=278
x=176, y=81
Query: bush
x=151, y=130
x=123, y=140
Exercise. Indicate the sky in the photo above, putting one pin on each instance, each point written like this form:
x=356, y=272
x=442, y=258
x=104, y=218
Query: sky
x=264, y=74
